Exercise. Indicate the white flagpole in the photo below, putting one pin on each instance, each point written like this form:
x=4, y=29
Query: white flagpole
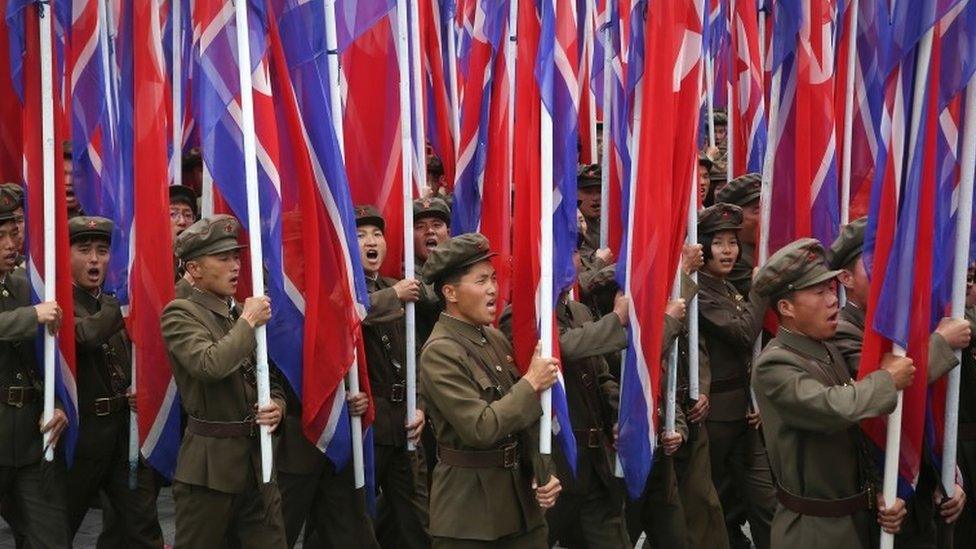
x=709, y=97
x=693, y=358
x=845, y=184
x=177, y=47
x=335, y=105
x=732, y=106
x=635, y=137
x=893, y=434
x=47, y=151
x=407, y=160
x=963, y=214
x=511, y=52
x=586, y=93
x=607, y=135
x=545, y=279
x=253, y=222
x=452, y=82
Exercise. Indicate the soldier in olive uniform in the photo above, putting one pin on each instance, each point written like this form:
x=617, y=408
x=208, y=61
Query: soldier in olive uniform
x=718, y=177
x=431, y=228
x=104, y=379
x=743, y=191
x=921, y=528
x=217, y=488
x=729, y=325
x=588, y=185
x=590, y=510
x=27, y=482
x=721, y=120
x=490, y=485
x=385, y=342
x=811, y=410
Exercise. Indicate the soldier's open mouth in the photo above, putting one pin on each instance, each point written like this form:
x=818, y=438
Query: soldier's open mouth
x=94, y=272
x=372, y=254
x=431, y=243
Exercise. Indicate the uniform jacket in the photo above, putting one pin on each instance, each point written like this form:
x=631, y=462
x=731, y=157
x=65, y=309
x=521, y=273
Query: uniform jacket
x=18, y=368
x=212, y=356
x=967, y=408
x=104, y=370
x=478, y=403
x=385, y=342
x=811, y=408
x=729, y=324
x=850, y=338
x=741, y=275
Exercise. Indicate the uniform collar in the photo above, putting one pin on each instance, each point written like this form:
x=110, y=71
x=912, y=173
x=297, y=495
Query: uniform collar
x=853, y=314
x=803, y=344
x=457, y=326
x=212, y=302
x=711, y=282
x=85, y=297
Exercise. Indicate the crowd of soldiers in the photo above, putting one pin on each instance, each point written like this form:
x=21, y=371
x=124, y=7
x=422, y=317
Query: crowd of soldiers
x=772, y=442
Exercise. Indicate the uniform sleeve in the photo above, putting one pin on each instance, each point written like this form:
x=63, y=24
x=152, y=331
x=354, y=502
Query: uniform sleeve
x=941, y=358
x=20, y=323
x=704, y=368
x=278, y=391
x=723, y=321
x=672, y=329
x=189, y=343
x=804, y=402
x=602, y=337
x=447, y=386
x=93, y=330
x=384, y=306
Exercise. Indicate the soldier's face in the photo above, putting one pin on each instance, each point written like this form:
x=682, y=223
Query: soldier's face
x=812, y=311
x=721, y=132
x=750, y=220
x=703, y=182
x=473, y=297
x=19, y=220
x=216, y=273
x=69, y=185
x=180, y=217
x=725, y=250
x=10, y=242
x=372, y=248
x=428, y=233
x=971, y=287
x=589, y=202
x=89, y=262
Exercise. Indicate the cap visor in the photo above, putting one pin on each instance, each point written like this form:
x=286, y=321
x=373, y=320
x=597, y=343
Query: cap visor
x=822, y=277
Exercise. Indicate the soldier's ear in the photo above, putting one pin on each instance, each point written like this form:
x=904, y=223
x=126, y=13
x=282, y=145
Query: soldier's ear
x=450, y=293
x=846, y=278
x=785, y=308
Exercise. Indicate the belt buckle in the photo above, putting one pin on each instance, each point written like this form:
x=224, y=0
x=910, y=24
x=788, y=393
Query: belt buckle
x=593, y=438
x=398, y=392
x=16, y=402
x=100, y=410
x=510, y=456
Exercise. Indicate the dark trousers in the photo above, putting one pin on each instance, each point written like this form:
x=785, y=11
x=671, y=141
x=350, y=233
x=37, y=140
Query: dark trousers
x=331, y=509
x=659, y=513
x=402, y=518
x=36, y=497
x=594, y=519
x=207, y=518
x=534, y=539
x=699, y=500
x=133, y=512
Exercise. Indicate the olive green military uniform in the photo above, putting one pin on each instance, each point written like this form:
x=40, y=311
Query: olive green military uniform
x=587, y=177
x=429, y=306
x=589, y=511
x=965, y=530
x=811, y=409
x=396, y=468
x=742, y=191
x=27, y=483
x=729, y=325
x=485, y=421
x=217, y=489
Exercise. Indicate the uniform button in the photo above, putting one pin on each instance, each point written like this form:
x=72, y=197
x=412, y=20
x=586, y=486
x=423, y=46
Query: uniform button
x=20, y=376
x=483, y=340
x=498, y=368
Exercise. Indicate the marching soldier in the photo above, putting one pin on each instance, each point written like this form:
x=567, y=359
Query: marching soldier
x=718, y=177
x=74, y=207
x=385, y=343
x=431, y=228
x=490, y=485
x=27, y=482
x=743, y=191
x=921, y=528
x=589, y=512
x=182, y=208
x=217, y=488
x=729, y=325
x=965, y=530
x=705, y=194
x=588, y=184
x=811, y=409
x=104, y=397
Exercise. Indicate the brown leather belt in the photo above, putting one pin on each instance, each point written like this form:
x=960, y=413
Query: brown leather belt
x=730, y=384
x=18, y=396
x=221, y=429
x=589, y=438
x=396, y=392
x=827, y=508
x=967, y=431
x=506, y=457
x=107, y=406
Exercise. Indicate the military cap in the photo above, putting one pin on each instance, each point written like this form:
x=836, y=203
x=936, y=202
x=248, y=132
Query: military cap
x=704, y=160
x=719, y=217
x=720, y=117
x=431, y=207
x=209, y=236
x=181, y=194
x=367, y=214
x=848, y=245
x=742, y=190
x=455, y=254
x=66, y=149
x=192, y=159
x=11, y=198
x=89, y=226
x=719, y=171
x=434, y=165
x=799, y=264
x=589, y=175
